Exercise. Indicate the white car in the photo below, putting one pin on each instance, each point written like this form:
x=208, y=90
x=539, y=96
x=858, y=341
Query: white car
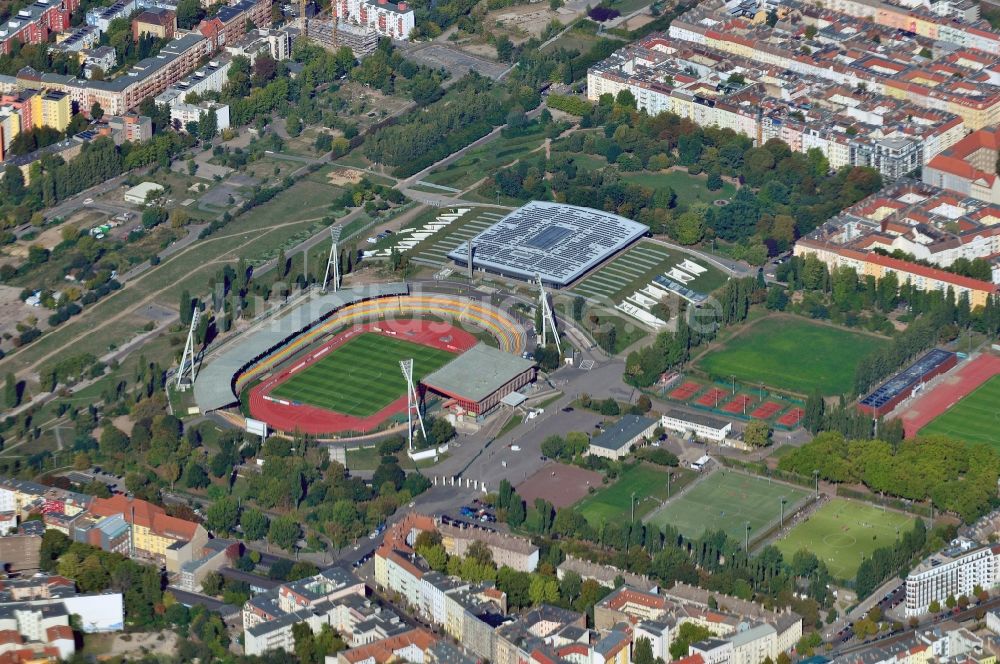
x=88, y=201
x=515, y=448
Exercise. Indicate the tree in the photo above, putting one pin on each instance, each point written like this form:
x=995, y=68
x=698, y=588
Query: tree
x=208, y=125
x=578, y=306
x=934, y=606
x=222, y=515
x=96, y=112
x=516, y=512
x=626, y=98
x=11, y=393
x=757, y=434
x=642, y=652
x=113, y=441
x=284, y=532
x=505, y=49
x=254, y=524
x=687, y=634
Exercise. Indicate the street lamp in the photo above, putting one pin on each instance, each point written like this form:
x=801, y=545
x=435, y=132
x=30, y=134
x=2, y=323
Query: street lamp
x=816, y=475
x=781, y=522
x=748, y=537
x=633, y=507
x=734, y=384
x=669, y=475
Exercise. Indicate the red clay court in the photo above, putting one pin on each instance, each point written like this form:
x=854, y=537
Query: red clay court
x=791, y=418
x=766, y=410
x=560, y=484
x=738, y=405
x=285, y=416
x=958, y=384
x=712, y=398
x=685, y=391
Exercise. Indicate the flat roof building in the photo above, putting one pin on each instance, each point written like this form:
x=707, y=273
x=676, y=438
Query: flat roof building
x=705, y=427
x=617, y=440
x=480, y=378
x=558, y=242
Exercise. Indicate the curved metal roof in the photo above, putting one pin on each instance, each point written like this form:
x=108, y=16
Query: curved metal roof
x=213, y=387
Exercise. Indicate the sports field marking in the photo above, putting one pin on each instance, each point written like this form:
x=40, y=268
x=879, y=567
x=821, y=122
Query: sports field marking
x=611, y=504
x=362, y=376
x=726, y=500
x=974, y=418
x=841, y=532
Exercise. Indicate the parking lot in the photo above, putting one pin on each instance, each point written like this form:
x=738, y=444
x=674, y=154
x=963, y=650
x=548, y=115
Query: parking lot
x=457, y=63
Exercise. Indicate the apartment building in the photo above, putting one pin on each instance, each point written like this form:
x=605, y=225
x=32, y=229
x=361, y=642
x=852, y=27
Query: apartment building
x=51, y=108
x=383, y=17
x=155, y=535
x=229, y=25
x=156, y=22
x=409, y=646
x=953, y=572
x=604, y=574
x=969, y=167
x=276, y=43
x=36, y=22
x=515, y=552
x=334, y=597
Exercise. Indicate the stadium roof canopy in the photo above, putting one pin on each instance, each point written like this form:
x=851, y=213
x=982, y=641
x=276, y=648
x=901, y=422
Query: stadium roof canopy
x=559, y=242
x=907, y=378
x=213, y=386
x=477, y=373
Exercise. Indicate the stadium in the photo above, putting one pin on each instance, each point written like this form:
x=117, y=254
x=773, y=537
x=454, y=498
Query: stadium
x=330, y=366
x=907, y=382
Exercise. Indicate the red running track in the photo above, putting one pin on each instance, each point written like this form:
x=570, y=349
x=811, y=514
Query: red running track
x=315, y=421
x=955, y=386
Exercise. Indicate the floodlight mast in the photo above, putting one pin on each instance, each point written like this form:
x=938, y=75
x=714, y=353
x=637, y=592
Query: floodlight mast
x=333, y=260
x=548, y=318
x=412, y=403
x=187, y=368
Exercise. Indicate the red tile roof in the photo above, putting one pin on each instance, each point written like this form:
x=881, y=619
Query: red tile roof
x=147, y=515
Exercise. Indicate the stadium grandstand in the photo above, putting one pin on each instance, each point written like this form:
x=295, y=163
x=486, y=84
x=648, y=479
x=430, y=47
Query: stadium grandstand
x=555, y=241
x=236, y=364
x=907, y=382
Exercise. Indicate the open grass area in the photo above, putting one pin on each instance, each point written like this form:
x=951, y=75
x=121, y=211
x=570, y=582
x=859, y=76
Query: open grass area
x=481, y=161
x=613, y=503
x=793, y=354
x=726, y=500
x=973, y=419
x=362, y=376
x=842, y=531
x=689, y=188
x=636, y=267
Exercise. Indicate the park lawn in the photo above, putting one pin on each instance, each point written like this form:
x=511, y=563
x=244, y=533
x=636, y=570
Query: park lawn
x=362, y=376
x=842, y=532
x=792, y=354
x=973, y=419
x=612, y=503
x=486, y=159
x=726, y=500
x=689, y=188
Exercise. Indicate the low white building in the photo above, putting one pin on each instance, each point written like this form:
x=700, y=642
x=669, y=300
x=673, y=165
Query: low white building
x=138, y=194
x=182, y=114
x=705, y=427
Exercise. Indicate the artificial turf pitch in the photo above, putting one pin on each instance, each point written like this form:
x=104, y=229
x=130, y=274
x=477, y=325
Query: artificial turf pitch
x=362, y=376
x=842, y=531
x=612, y=504
x=974, y=418
x=726, y=500
x=794, y=354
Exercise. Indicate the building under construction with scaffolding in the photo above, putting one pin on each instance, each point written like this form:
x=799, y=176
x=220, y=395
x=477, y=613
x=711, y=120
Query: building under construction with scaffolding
x=331, y=33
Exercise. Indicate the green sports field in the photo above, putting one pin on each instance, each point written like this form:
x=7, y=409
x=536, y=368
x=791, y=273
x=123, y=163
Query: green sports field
x=726, y=500
x=974, y=419
x=841, y=531
x=612, y=504
x=793, y=354
x=362, y=376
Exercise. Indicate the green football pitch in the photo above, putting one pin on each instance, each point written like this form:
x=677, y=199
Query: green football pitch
x=362, y=376
x=612, y=504
x=974, y=419
x=726, y=500
x=794, y=354
x=842, y=531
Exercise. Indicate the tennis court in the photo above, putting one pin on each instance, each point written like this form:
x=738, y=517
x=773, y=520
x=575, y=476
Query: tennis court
x=727, y=500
